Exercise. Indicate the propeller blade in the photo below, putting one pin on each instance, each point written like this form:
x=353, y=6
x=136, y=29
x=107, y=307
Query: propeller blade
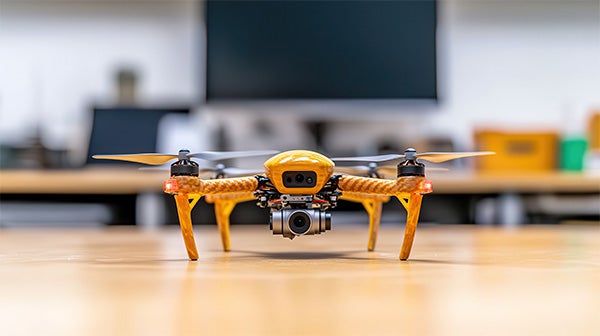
x=385, y=171
x=159, y=158
x=437, y=157
x=232, y=171
x=436, y=169
x=146, y=158
x=374, y=158
x=218, y=156
x=392, y=172
x=353, y=170
x=210, y=172
x=156, y=168
x=388, y=172
x=238, y=172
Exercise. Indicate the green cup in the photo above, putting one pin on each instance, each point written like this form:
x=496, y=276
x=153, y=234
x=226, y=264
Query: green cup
x=572, y=153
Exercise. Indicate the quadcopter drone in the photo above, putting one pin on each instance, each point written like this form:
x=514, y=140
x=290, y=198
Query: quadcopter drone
x=299, y=187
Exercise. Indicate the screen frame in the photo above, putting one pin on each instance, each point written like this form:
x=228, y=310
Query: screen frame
x=314, y=107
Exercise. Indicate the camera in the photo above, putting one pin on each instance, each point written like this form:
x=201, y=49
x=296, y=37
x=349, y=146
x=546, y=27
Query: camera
x=296, y=222
x=299, y=179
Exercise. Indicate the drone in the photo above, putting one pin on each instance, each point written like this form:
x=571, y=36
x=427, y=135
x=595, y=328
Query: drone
x=299, y=187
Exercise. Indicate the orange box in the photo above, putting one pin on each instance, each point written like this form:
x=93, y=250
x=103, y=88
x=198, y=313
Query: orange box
x=517, y=151
x=594, y=130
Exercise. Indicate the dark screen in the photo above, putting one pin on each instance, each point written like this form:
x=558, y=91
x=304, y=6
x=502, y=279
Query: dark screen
x=126, y=130
x=321, y=49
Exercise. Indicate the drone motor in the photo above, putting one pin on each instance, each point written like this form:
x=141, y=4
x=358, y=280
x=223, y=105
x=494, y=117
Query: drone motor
x=410, y=166
x=184, y=166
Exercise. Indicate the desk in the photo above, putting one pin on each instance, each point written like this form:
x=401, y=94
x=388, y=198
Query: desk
x=556, y=182
x=509, y=205
x=460, y=280
x=145, y=184
x=82, y=181
x=148, y=184
x=132, y=181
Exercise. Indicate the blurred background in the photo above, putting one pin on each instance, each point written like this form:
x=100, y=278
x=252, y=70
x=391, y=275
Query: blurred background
x=84, y=77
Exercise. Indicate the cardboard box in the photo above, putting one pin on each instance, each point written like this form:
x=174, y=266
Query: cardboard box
x=517, y=151
x=594, y=131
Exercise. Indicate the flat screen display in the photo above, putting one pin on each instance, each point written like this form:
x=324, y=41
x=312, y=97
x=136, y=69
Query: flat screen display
x=264, y=50
x=126, y=130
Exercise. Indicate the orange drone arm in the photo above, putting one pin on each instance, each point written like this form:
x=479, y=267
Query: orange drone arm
x=368, y=185
x=373, y=204
x=224, y=205
x=195, y=185
x=408, y=190
x=186, y=188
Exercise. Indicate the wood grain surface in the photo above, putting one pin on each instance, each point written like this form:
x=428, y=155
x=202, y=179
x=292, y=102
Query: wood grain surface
x=460, y=280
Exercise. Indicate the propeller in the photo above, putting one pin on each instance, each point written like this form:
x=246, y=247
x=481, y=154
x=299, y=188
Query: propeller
x=159, y=158
x=409, y=154
x=375, y=171
x=220, y=171
x=216, y=171
x=404, y=164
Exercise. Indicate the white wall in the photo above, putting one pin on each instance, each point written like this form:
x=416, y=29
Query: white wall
x=57, y=57
x=532, y=63
x=518, y=62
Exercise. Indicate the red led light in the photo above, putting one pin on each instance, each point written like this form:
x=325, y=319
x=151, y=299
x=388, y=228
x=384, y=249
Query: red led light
x=171, y=186
x=426, y=186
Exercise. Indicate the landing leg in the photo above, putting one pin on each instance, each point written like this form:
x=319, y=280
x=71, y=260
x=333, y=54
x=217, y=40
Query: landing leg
x=413, y=207
x=185, y=222
x=373, y=208
x=222, y=211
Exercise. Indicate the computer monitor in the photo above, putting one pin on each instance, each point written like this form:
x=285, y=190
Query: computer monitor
x=320, y=50
x=124, y=130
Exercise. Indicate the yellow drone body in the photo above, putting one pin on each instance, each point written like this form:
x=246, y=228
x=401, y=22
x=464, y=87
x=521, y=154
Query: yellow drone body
x=291, y=172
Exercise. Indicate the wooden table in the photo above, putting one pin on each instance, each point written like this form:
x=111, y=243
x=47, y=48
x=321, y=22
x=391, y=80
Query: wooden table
x=147, y=185
x=460, y=280
x=99, y=180
x=104, y=180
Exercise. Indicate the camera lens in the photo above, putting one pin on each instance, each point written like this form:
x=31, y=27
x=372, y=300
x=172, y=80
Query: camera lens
x=327, y=221
x=299, y=179
x=299, y=222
